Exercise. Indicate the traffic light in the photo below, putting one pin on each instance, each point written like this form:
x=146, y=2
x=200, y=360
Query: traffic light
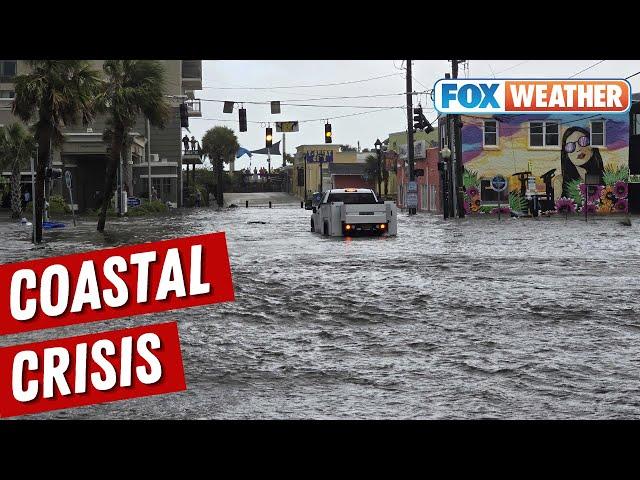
x=242, y=117
x=417, y=118
x=52, y=173
x=184, y=116
x=421, y=121
x=268, y=137
x=327, y=133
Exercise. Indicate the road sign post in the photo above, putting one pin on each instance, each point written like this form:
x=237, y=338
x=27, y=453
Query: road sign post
x=68, y=180
x=499, y=184
x=412, y=195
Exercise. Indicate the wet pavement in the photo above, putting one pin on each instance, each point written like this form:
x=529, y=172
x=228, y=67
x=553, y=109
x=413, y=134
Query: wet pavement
x=522, y=318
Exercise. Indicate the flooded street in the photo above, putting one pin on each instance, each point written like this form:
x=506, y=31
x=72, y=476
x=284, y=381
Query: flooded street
x=474, y=318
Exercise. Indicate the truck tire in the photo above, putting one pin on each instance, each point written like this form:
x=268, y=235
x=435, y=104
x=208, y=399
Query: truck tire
x=312, y=229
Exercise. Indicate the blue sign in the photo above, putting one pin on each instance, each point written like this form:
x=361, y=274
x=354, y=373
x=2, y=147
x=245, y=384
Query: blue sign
x=498, y=183
x=134, y=202
x=319, y=156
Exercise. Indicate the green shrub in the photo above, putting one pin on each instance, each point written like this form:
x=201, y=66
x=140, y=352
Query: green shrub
x=57, y=205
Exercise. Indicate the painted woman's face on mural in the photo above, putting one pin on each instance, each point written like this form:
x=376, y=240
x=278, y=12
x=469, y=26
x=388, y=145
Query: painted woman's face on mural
x=578, y=149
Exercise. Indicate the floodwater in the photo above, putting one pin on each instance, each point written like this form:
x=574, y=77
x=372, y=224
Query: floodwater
x=475, y=318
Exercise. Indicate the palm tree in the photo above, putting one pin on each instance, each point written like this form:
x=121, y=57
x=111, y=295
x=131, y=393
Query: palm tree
x=132, y=88
x=55, y=94
x=16, y=148
x=372, y=169
x=220, y=144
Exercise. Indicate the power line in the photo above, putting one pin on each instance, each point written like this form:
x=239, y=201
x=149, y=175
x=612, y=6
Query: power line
x=633, y=75
x=301, y=121
x=304, y=86
x=298, y=104
x=512, y=67
x=588, y=68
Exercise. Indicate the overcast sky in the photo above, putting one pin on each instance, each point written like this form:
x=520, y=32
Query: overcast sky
x=370, y=123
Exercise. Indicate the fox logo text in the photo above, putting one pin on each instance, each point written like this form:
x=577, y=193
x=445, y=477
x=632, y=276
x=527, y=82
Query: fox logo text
x=531, y=96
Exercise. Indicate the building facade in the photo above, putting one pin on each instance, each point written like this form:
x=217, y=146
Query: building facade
x=554, y=151
x=317, y=168
x=153, y=154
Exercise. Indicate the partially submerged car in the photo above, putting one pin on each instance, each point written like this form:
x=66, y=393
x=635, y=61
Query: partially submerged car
x=354, y=211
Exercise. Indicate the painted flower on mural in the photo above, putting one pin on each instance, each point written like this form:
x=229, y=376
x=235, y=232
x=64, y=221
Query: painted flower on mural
x=467, y=207
x=591, y=208
x=477, y=202
x=594, y=192
x=606, y=206
x=621, y=205
x=475, y=208
x=565, y=205
x=607, y=195
x=620, y=189
x=473, y=191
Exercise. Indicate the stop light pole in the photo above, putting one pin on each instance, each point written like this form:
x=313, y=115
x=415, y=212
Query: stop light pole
x=412, y=174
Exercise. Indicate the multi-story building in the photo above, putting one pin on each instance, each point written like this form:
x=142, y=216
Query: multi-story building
x=155, y=156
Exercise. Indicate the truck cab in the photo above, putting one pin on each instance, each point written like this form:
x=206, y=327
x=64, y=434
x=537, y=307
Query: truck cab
x=352, y=212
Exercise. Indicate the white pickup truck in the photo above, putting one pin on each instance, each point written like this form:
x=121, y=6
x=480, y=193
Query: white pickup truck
x=354, y=211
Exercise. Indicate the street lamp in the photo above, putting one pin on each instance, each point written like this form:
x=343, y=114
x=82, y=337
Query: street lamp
x=446, y=153
x=378, y=146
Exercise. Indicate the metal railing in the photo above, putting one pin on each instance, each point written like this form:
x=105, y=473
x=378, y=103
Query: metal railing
x=193, y=107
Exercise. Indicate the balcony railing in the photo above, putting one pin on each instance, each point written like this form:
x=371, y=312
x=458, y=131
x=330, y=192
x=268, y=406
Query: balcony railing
x=7, y=78
x=193, y=108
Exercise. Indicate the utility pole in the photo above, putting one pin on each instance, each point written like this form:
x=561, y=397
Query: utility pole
x=457, y=177
x=412, y=177
x=284, y=150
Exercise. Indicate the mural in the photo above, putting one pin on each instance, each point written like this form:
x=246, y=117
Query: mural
x=557, y=152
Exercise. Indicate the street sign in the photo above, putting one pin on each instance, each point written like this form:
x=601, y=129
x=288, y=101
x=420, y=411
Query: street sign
x=499, y=183
x=419, y=172
x=412, y=187
x=67, y=178
x=412, y=199
x=287, y=127
x=134, y=202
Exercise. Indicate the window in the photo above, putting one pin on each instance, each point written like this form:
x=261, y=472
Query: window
x=5, y=94
x=8, y=70
x=490, y=137
x=352, y=198
x=543, y=134
x=488, y=194
x=597, y=133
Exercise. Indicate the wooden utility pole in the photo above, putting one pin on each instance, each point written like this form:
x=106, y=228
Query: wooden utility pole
x=410, y=153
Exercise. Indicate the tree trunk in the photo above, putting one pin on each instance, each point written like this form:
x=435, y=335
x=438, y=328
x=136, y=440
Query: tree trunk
x=110, y=178
x=219, y=189
x=16, y=194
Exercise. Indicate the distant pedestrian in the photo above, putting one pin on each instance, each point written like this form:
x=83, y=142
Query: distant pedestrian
x=194, y=142
x=154, y=194
x=198, y=198
x=27, y=197
x=185, y=142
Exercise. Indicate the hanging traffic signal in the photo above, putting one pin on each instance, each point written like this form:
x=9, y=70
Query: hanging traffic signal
x=184, y=116
x=268, y=137
x=242, y=117
x=421, y=122
x=52, y=173
x=417, y=118
x=327, y=133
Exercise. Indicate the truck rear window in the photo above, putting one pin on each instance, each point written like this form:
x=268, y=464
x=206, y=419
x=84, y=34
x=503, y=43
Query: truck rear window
x=352, y=198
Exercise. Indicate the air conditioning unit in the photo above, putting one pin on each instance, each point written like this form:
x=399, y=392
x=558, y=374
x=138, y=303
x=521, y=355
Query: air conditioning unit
x=155, y=157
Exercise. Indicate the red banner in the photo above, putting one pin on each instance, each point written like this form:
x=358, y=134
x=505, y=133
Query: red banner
x=113, y=283
x=88, y=369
